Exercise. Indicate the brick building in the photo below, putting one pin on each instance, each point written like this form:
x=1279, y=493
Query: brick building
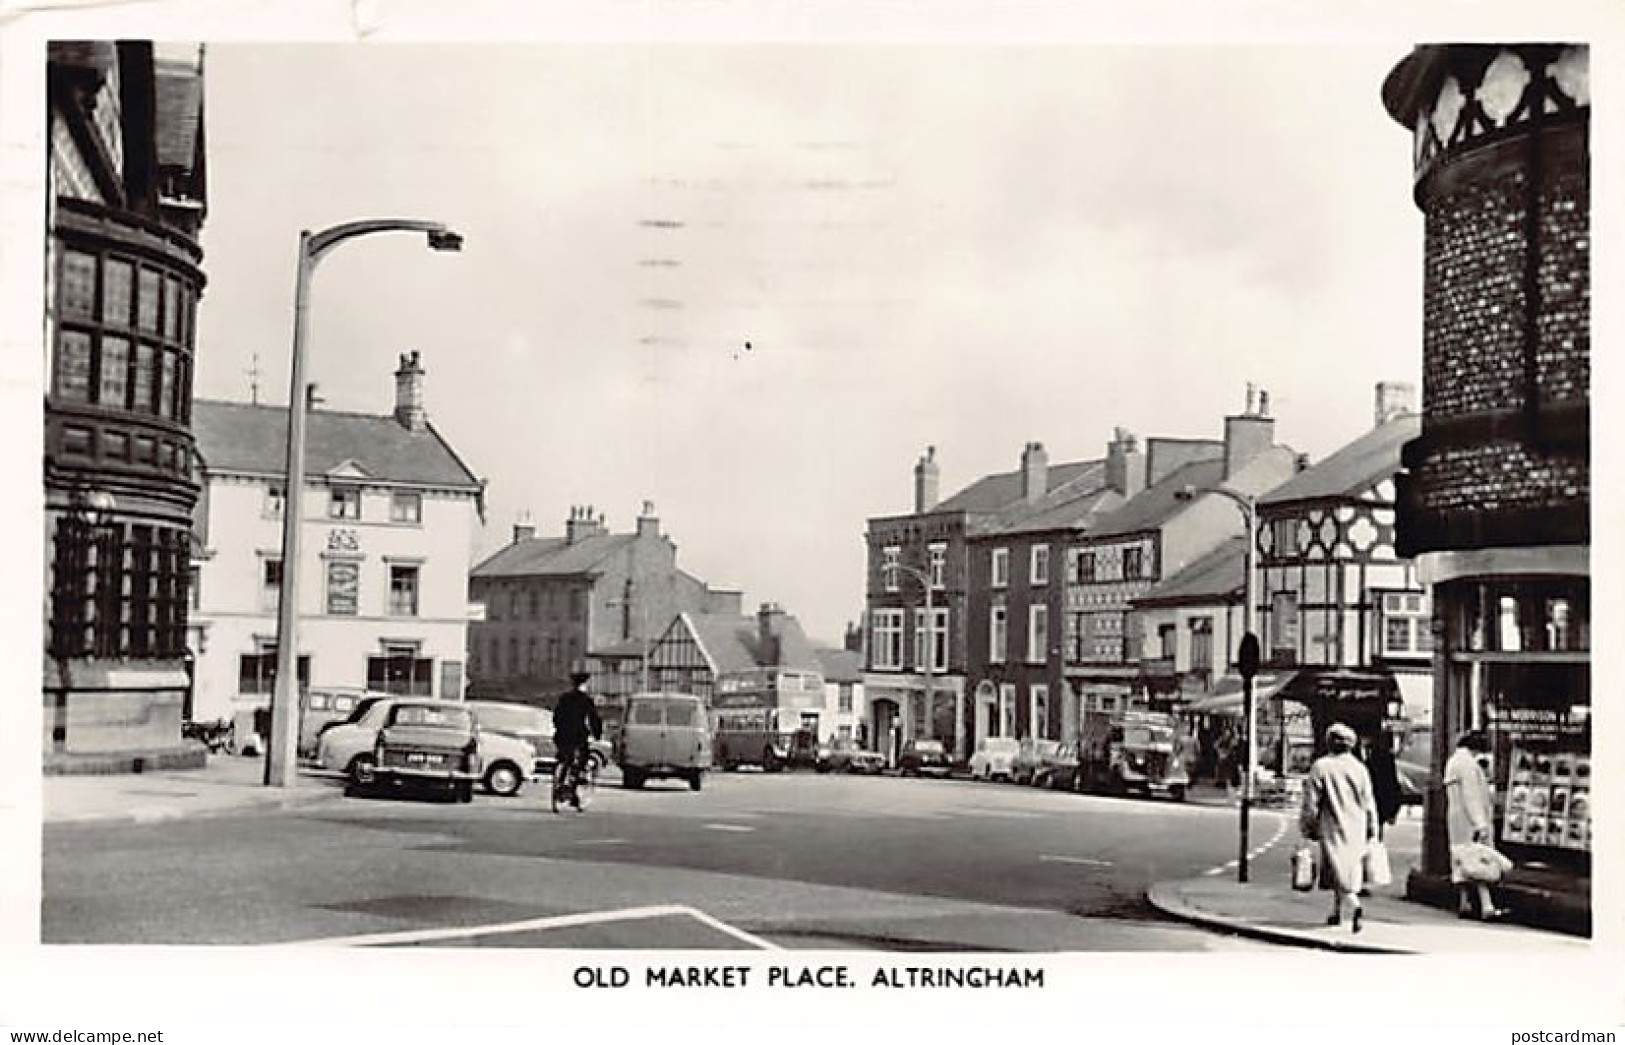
x=1495, y=500
x=125, y=200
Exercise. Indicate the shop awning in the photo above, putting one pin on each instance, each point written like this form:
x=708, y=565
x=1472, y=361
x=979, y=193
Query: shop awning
x=1227, y=698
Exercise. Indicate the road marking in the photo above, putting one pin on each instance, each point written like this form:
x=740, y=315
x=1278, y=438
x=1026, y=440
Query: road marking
x=1074, y=860
x=1282, y=823
x=728, y=827
x=1009, y=814
x=599, y=841
x=563, y=921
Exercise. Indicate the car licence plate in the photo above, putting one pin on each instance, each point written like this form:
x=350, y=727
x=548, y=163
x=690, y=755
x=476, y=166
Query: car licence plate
x=423, y=758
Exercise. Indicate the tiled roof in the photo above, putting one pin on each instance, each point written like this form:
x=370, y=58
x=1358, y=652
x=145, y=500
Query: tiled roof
x=552, y=556
x=840, y=665
x=1071, y=504
x=1214, y=577
x=1369, y=459
x=179, y=95
x=1153, y=506
x=734, y=642
x=248, y=438
x=991, y=493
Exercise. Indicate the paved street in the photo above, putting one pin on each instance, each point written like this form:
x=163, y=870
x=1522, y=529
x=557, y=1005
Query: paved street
x=794, y=861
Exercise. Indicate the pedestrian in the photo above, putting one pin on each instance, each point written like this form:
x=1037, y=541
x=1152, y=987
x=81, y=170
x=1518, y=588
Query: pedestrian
x=1340, y=813
x=1385, y=787
x=1469, y=805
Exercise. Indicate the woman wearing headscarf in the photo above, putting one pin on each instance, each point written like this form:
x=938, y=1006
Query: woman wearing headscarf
x=1467, y=795
x=1340, y=813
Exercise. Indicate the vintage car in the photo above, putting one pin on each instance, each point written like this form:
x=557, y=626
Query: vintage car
x=507, y=760
x=1034, y=761
x=995, y=759
x=423, y=743
x=843, y=755
x=924, y=758
x=322, y=708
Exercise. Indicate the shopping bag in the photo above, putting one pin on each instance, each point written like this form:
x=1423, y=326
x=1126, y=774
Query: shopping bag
x=1377, y=869
x=1482, y=863
x=1303, y=869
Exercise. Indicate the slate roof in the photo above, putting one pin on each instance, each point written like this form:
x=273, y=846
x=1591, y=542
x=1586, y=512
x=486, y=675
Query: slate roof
x=1070, y=504
x=178, y=89
x=1156, y=504
x=552, y=556
x=734, y=642
x=840, y=665
x=993, y=493
x=1214, y=577
x=253, y=439
x=1353, y=469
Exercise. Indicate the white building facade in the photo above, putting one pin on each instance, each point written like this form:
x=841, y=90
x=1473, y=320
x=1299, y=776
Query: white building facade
x=390, y=516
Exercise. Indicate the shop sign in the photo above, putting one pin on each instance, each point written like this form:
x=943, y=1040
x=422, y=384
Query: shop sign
x=1538, y=724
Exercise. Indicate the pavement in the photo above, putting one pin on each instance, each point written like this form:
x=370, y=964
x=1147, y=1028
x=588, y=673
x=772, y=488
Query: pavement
x=1265, y=908
x=227, y=784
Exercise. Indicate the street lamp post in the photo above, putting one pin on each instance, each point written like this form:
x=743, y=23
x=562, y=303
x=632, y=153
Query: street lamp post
x=1247, y=664
x=281, y=756
x=929, y=630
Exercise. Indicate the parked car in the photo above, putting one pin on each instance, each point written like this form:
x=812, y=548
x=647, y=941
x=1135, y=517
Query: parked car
x=507, y=761
x=995, y=759
x=843, y=755
x=423, y=743
x=1033, y=758
x=1060, y=770
x=664, y=735
x=924, y=758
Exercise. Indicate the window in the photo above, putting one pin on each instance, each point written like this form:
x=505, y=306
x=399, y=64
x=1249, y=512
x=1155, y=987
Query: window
x=343, y=580
x=344, y=502
x=147, y=289
x=938, y=643
x=166, y=384
x=403, y=591
x=1077, y=634
x=270, y=584
x=402, y=672
x=1202, y=644
x=118, y=285
x=1039, y=573
x=1284, y=621
x=272, y=509
x=1086, y=567
x=1406, y=624
x=1133, y=563
x=1007, y=710
x=256, y=673
x=73, y=367
x=1167, y=641
x=998, y=633
x=1285, y=534
x=115, y=376
x=78, y=294
x=938, y=567
x=194, y=586
x=145, y=380
x=890, y=557
x=406, y=506
x=886, y=643
x=1038, y=711
x=845, y=697
x=1037, y=634
x=1001, y=567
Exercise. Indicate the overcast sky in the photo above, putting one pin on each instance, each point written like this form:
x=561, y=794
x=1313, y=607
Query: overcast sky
x=968, y=247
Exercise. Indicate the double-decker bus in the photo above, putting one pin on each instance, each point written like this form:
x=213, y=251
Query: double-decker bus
x=772, y=738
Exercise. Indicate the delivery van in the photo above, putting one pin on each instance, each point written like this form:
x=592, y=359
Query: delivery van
x=664, y=735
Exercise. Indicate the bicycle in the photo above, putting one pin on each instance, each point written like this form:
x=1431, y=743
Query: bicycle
x=573, y=784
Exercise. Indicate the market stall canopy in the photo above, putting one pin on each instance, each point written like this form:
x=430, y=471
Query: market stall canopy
x=1226, y=698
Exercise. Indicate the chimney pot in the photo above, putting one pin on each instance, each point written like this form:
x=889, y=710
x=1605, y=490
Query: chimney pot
x=926, y=481
x=409, y=393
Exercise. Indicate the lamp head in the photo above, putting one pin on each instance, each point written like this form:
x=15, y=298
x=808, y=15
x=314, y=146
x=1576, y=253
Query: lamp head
x=445, y=239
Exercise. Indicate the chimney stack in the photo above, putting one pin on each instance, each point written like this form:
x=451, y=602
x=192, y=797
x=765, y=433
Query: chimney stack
x=926, y=479
x=524, y=529
x=648, y=521
x=767, y=627
x=582, y=524
x=1034, y=472
x=409, y=393
x=1394, y=399
x=1125, y=464
x=1249, y=434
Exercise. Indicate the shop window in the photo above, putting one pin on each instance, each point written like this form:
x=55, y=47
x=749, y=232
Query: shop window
x=1538, y=716
x=256, y=672
x=402, y=672
x=1524, y=616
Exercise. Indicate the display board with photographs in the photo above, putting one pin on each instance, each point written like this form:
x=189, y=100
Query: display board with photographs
x=1548, y=799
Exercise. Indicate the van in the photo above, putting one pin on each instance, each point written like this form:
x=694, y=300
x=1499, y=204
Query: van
x=664, y=735
x=320, y=709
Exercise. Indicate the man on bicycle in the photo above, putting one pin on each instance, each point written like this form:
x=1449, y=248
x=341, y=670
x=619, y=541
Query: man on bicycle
x=575, y=719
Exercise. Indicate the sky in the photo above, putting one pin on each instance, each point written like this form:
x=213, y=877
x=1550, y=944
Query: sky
x=751, y=283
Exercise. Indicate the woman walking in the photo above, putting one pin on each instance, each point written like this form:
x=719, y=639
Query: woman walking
x=1467, y=795
x=1340, y=813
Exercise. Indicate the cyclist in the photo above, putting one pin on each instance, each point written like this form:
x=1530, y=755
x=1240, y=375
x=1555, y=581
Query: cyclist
x=575, y=718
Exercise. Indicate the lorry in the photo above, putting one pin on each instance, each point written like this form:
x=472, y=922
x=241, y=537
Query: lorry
x=1129, y=752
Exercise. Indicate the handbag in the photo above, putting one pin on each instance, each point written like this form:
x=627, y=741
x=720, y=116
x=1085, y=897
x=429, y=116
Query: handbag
x=1483, y=863
x=1375, y=864
x=1303, y=869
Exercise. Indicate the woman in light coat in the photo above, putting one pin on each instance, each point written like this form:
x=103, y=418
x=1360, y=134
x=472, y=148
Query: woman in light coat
x=1469, y=803
x=1340, y=813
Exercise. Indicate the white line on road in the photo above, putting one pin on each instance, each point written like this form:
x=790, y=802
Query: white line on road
x=728, y=827
x=599, y=841
x=562, y=921
x=1073, y=860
